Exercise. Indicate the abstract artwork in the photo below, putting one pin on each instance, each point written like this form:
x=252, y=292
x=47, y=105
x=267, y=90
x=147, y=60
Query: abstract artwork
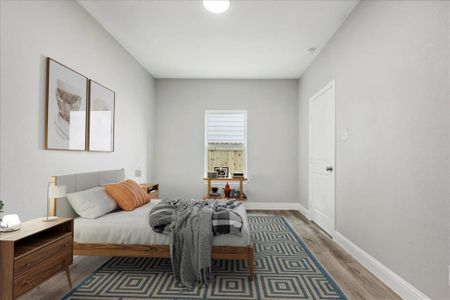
x=66, y=108
x=101, y=117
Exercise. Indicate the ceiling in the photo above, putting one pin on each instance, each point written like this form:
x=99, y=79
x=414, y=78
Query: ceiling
x=253, y=39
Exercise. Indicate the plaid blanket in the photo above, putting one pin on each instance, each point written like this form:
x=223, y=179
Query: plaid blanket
x=191, y=225
x=224, y=219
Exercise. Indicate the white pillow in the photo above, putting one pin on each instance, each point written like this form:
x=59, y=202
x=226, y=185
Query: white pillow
x=91, y=203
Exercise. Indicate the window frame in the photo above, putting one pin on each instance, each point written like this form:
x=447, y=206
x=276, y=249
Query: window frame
x=205, y=143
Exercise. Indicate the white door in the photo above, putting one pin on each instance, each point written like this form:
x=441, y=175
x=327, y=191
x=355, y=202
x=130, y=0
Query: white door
x=321, y=158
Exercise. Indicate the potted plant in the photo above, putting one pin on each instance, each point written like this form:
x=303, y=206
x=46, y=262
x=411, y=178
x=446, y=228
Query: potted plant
x=1, y=209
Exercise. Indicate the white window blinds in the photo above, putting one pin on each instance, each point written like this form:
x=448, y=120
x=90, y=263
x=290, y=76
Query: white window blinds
x=226, y=127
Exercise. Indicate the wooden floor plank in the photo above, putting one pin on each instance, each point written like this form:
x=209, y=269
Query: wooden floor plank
x=57, y=286
x=355, y=281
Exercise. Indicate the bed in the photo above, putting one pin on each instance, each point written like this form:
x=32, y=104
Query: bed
x=107, y=236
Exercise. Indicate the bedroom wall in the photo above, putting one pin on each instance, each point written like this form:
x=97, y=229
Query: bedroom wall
x=390, y=61
x=31, y=31
x=272, y=134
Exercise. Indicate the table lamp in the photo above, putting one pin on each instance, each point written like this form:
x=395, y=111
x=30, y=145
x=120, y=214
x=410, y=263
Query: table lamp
x=138, y=174
x=53, y=191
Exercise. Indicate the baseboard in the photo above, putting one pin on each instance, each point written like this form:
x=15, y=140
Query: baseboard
x=403, y=288
x=304, y=211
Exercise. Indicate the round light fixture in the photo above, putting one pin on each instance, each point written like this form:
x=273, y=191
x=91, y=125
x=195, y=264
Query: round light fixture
x=217, y=6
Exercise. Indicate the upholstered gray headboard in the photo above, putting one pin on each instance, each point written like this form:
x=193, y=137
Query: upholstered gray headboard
x=81, y=182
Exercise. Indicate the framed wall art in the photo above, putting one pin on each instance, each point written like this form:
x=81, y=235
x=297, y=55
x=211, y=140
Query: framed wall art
x=222, y=172
x=101, y=117
x=66, y=99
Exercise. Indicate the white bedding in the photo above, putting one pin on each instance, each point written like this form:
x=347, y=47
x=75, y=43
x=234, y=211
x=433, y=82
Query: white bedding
x=132, y=227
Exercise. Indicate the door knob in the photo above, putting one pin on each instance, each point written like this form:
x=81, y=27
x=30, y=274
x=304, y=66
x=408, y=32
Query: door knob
x=329, y=169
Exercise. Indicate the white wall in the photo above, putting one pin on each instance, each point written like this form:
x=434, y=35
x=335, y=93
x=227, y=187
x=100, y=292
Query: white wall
x=31, y=31
x=390, y=61
x=272, y=135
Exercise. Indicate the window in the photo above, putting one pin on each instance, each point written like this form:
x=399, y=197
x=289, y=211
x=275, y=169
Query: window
x=226, y=141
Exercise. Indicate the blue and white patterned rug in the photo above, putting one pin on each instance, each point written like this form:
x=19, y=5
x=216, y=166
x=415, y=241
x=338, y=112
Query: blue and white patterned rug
x=284, y=269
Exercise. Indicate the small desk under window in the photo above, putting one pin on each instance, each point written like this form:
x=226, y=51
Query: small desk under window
x=241, y=180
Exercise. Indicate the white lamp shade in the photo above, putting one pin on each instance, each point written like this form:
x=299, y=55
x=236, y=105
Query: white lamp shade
x=57, y=191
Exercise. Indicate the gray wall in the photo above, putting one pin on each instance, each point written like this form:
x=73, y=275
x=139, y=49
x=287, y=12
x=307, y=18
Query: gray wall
x=390, y=61
x=272, y=134
x=63, y=30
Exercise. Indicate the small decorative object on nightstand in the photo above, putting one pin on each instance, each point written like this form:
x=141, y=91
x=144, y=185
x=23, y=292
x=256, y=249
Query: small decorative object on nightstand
x=152, y=189
x=212, y=174
x=238, y=175
x=10, y=223
x=227, y=190
x=33, y=254
x=222, y=172
x=235, y=193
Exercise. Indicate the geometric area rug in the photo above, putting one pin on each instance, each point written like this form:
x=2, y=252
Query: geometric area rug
x=284, y=269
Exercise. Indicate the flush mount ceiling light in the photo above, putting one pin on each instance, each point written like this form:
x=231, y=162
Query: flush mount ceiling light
x=217, y=6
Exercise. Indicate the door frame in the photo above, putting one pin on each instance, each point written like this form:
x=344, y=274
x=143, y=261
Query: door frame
x=330, y=85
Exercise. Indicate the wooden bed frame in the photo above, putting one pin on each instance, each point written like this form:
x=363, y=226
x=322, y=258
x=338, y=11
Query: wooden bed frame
x=161, y=251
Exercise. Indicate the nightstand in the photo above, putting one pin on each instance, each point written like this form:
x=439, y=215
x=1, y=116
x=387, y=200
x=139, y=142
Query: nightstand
x=33, y=254
x=152, y=189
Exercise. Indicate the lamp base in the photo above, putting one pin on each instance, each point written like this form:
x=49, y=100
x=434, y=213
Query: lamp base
x=51, y=218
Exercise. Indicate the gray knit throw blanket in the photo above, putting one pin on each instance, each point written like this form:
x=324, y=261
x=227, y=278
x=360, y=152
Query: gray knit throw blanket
x=191, y=242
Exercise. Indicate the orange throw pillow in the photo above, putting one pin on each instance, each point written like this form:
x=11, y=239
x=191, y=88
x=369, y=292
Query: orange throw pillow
x=127, y=194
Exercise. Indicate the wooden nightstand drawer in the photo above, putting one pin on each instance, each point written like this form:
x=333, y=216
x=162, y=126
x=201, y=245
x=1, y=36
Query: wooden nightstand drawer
x=33, y=254
x=23, y=263
x=42, y=272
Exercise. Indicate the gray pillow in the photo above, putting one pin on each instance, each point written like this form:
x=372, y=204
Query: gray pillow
x=91, y=203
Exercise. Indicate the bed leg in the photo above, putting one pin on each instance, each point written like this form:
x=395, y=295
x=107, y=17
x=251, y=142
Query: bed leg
x=250, y=261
